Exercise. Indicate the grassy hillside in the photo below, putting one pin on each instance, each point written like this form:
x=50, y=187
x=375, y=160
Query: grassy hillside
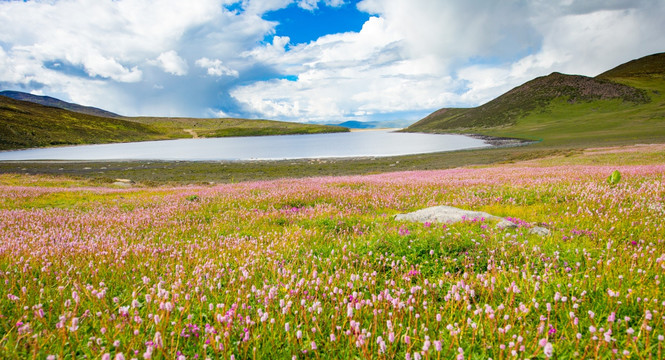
x=646, y=67
x=53, y=102
x=26, y=124
x=188, y=127
x=623, y=105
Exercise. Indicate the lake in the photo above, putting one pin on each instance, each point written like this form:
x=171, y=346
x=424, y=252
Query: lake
x=375, y=143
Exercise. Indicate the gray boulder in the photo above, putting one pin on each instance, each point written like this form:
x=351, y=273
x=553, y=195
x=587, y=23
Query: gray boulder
x=444, y=214
x=537, y=230
x=449, y=215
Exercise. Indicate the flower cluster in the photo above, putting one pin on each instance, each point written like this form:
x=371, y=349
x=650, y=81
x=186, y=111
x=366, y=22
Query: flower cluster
x=319, y=268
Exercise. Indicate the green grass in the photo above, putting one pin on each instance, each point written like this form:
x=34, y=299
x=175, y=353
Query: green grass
x=625, y=105
x=269, y=270
x=175, y=127
x=25, y=124
x=181, y=172
x=565, y=130
x=530, y=98
x=192, y=172
x=595, y=122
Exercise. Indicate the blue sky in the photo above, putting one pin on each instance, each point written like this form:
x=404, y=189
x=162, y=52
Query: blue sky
x=305, y=25
x=310, y=60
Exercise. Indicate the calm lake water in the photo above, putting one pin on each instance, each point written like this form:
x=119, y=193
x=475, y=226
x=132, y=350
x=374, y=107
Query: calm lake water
x=353, y=144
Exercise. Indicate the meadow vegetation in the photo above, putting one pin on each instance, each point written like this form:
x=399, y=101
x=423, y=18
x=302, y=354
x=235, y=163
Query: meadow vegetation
x=25, y=124
x=222, y=127
x=318, y=268
x=625, y=104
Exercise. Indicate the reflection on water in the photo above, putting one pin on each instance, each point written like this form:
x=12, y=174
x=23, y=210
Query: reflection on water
x=353, y=144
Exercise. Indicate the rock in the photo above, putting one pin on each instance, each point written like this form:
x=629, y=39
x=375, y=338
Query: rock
x=505, y=224
x=541, y=231
x=449, y=214
x=122, y=184
x=444, y=214
x=126, y=181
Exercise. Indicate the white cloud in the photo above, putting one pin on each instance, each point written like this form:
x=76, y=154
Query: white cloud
x=410, y=56
x=420, y=55
x=578, y=40
x=308, y=4
x=454, y=30
x=215, y=67
x=342, y=75
x=69, y=46
x=218, y=113
x=98, y=65
x=170, y=62
x=259, y=7
x=334, y=3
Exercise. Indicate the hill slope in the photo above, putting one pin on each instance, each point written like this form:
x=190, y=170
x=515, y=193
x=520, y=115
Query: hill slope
x=646, y=67
x=25, y=124
x=57, y=103
x=223, y=127
x=625, y=103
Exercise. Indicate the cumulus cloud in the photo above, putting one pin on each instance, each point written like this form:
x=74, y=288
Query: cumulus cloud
x=343, y=74
x=71, y=48
x=421, y=55
x=312, y=5
x=215, y=67
x=133, y=56
x=170, y=62
x=581, y=37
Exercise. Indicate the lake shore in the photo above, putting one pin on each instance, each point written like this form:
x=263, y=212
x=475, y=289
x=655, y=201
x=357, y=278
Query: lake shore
x=151, y=173
x=499, y=141
x=376, y=143
x=374, y=129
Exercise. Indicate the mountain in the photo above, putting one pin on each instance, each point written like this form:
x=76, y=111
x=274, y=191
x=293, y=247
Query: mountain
x=537, y=93
x=57, y=103
x=620, y=104
x=386, y=124
x=352, y=124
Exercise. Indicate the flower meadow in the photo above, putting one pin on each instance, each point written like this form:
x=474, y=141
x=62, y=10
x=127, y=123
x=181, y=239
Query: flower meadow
x=319, y=269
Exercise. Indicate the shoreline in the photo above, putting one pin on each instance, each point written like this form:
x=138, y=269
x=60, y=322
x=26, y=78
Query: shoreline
x=374, y=129
x=499, y=141
x=155, y=173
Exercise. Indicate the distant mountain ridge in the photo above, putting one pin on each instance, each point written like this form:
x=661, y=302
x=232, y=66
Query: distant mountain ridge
x=57, y=103
x=387, y=124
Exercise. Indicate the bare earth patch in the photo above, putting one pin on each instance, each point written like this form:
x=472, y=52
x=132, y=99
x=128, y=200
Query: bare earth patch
x=191, y=132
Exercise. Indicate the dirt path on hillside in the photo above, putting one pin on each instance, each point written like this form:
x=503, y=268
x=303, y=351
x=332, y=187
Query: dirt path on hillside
x=191, y=132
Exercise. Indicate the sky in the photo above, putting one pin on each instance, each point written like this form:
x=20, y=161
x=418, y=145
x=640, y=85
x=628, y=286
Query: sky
x=323, y=61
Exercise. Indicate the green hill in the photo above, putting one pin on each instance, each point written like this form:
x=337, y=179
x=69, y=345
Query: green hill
x=25, y=124
x=53, y=102
x=222, y=127
x=646, y=67
x=623, y=105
